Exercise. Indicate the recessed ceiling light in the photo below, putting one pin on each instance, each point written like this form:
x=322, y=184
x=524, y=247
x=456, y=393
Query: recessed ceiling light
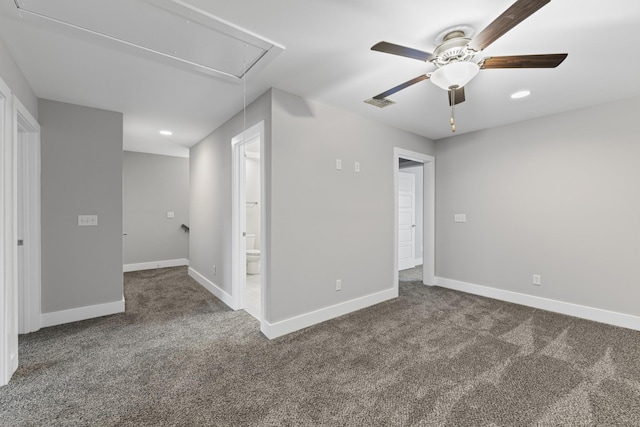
x=166, y=132
x=520, y=94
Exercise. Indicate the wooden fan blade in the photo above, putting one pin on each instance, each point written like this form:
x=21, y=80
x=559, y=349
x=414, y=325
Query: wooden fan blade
x=518, y=12
x=523, y=61
x=408, y=52
x=401, y=86
x=459, y=96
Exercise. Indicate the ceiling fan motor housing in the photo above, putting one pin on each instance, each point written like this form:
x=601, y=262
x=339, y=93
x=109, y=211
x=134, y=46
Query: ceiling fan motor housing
x=453, y=49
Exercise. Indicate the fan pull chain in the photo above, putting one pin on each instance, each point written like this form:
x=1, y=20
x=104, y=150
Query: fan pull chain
x=453, y=106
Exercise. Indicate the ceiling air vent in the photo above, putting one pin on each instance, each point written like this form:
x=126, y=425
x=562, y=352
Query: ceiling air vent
x=380, y=103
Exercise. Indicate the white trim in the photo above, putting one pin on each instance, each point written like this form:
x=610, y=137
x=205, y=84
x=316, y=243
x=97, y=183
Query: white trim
x=581, y=311
x=252, y=155
x=428, y=213
x=82, y=313
x=238, y=219
x=8, y=311
x=283, y=327
x=155, y=264
x=213, y=288
x=26, y=134
x=265, y=233
x=418, y=261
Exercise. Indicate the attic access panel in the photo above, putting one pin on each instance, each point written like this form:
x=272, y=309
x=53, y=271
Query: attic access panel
x=169, y=30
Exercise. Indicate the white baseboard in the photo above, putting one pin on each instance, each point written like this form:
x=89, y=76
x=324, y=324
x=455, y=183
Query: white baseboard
x=213, y=288
x=581, y=311
x=155, y=264
x=283, y=327
x=81, y=313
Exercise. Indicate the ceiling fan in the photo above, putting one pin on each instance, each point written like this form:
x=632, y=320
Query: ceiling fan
x=454, y=56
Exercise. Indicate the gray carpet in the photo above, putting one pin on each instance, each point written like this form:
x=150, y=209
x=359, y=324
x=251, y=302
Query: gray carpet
x=432, y=357
x=411, y=274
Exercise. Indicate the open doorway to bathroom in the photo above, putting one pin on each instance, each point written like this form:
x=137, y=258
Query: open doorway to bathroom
x=248, y=219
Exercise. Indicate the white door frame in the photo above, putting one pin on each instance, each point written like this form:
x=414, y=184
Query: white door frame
x=18, y=129
x=8, y=314
x=26, y=140
x=428, y=217
x=238, y=218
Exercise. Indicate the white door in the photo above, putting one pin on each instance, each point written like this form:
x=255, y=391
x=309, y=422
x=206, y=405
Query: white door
x=23, y=300
x=406, y=220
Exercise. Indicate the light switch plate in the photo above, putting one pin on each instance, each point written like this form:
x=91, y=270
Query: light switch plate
x=87, y=220
x=171, y=214
x=460, y=218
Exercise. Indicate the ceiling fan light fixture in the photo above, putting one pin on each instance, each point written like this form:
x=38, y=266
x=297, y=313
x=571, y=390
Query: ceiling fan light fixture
x=455, y=74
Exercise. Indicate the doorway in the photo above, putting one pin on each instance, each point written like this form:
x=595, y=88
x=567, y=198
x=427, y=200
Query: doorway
x=248, y=219
x=414, y=224
x=20, y=222
x=27, y=224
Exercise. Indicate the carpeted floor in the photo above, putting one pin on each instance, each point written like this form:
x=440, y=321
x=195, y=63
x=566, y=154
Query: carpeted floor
x=432, y=357
x=411, y=274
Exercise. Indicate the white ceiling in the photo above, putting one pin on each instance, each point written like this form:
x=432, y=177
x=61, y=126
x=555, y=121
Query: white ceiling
x=327, y=58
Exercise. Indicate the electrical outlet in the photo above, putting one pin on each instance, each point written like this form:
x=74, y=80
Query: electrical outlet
x=214, y=270
x=339, y=285
x=537, y=279
x=357, y=166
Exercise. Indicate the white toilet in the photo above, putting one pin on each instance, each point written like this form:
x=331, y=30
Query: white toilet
x=253, y=255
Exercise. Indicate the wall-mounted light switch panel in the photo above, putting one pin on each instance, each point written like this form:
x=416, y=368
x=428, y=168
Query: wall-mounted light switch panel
x=338, y=164
x=460, y=218
x=87, y=220
x=171, y=214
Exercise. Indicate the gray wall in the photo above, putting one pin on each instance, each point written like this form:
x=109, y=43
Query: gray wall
x=329, y=224
x=210, y=195
x=16, y=81
x=154, y=185
x=556, y=196
x=323, y=224
x=81, y=174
